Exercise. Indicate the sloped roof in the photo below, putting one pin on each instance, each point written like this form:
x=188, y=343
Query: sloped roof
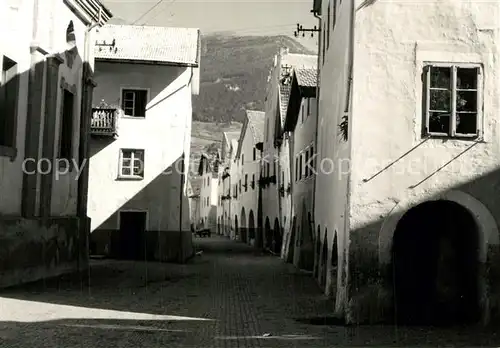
x=303, y=86
x=148, y=44
x=256, y=122
x=292, y=61
x=306, y=77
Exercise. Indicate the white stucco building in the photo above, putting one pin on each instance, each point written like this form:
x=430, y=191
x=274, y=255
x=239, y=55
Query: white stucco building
x=276, y=206
x=226, y=182
x=45, y=100
x=248, y=158
x=410, y=120
x=301, y=123
x=141, y=131
x=207, y=171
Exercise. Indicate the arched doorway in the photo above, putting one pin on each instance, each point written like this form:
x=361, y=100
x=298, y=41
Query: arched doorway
x=334, y=268
x=236, y=230
x=251, y=228
x=317, y=251
x=435, y=265
x=243, y=227
x=268, y=234
x=291, y=243
x=324, y=260
x=277, y=237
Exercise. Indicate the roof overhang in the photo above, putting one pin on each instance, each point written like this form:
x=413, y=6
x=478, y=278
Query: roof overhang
x=89, y=11
x=146, y=62
x=259, y=146
x=296, y=94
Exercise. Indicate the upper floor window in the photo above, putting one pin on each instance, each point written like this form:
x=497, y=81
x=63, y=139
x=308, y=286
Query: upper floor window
x=242, y=159
x=132, y=163
x=453, y=100
x=306, y=169
x=66, y=127
x=134, y=102
x=246, y=182
x=296, y=168
x=254, y=154
x=9, y=91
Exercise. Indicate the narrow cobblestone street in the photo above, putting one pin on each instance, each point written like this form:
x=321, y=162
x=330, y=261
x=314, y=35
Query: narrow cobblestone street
x=230, y=296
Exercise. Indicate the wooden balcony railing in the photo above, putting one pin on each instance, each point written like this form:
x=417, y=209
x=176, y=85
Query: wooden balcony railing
x=104, y=122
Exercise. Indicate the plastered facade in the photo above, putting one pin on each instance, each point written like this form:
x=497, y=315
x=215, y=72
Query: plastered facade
x=42, y=216
x=389, y=166
x=164, y=135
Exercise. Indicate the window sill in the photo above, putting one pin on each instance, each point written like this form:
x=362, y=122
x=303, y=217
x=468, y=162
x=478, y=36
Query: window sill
x=7, y=151
x=129, y=178
x=444, y=137
x=134, y=117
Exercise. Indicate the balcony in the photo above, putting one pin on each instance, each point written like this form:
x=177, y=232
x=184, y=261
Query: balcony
x=104, y=122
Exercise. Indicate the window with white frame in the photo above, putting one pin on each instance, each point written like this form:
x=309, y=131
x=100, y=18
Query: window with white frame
x=132, y=163
x=453, y=100
x=134, y=102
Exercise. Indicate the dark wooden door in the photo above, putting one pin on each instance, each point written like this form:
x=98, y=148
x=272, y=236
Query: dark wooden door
x=132, y=234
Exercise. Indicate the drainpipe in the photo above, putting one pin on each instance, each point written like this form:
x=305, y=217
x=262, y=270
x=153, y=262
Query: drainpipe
x=315, y=14
x=348, y=109
x=83, y=151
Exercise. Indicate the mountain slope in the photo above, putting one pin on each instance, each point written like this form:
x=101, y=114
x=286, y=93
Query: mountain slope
x=234, y=71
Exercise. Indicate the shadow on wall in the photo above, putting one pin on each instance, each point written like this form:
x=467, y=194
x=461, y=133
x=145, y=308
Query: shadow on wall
x=438, y=261
x=37, y=244
x=123, y=236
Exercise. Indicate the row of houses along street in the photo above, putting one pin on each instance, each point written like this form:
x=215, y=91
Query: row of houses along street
x=95, y=151
x=418, y=245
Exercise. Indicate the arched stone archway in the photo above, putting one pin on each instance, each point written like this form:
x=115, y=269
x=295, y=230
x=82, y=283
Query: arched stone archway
x=435, y=262
x=268, y=234
x=277, y=237
x=334, y=270
x=324, y=260
x=251, y=228
x=236, y=230
x=290, y=257
x=243, y=227
x=317, y=252
x=486, y=223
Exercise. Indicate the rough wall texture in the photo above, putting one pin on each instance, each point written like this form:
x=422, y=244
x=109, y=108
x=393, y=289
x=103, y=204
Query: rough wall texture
x=387, y=123
x=32, y=249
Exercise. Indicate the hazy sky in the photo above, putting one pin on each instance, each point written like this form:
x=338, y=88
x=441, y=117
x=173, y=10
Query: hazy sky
x=258, y=17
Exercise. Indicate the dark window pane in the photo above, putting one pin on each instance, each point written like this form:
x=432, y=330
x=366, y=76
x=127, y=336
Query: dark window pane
x=126, y=171
x=128, y=104
x=439, y=122
x=127, y=154
x=467, y=78
x=138, y=170
x=128, y=95
x=467, y=101
x=440, y=77
x=126, y=162
x=440, y=100
x=140, y=103
x=466, y=123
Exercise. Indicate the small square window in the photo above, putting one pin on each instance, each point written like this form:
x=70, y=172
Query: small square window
x=134, y=102
x=132, y=164
x=452, y=100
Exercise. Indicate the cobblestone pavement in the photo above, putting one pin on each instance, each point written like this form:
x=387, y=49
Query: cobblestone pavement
x=230, y=296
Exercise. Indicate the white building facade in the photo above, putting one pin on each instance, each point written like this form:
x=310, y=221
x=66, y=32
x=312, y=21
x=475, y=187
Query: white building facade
x=248, y=157
x=276, y=192
x=415, y=117
x=45, y=100
x=141, y=141
x=301, y=123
